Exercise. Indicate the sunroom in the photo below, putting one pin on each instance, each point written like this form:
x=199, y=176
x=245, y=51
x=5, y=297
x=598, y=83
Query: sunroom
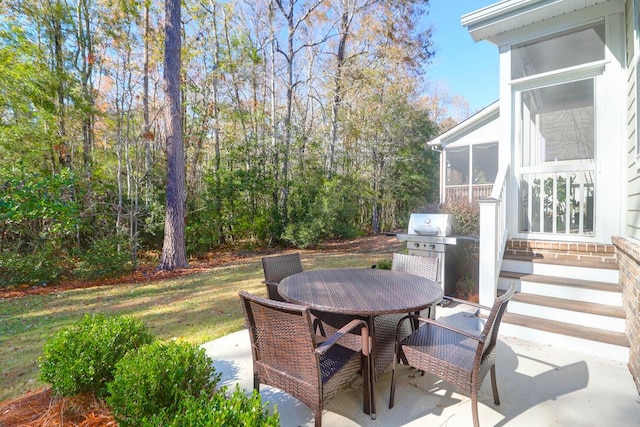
x=469, y=157
x=561, y=97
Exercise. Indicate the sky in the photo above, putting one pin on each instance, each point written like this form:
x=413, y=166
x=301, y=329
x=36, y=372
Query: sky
x=467, y=68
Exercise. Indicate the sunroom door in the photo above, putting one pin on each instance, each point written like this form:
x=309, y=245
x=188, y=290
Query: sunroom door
x=557, y=151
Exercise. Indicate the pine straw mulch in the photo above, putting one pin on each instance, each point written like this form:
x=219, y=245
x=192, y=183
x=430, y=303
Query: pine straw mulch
x=41, y=409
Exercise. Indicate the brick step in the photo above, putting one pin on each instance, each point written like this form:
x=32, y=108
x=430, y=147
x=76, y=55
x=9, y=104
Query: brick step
x=593, y=334
x=560, y=247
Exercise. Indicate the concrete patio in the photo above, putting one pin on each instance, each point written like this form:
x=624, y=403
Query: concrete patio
x=539, y=386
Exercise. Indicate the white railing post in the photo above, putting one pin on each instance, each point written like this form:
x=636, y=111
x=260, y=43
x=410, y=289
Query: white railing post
x=488, y=279
x=493, y=237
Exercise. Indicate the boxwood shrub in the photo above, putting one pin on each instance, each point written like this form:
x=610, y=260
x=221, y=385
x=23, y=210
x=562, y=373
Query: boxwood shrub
x=157, y=378
x=222, y=409
x=82, y=358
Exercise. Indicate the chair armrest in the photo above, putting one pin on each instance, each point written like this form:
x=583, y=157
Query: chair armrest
x=325, y=346
x=479, y=338
x=462, y=301
x=270, y=283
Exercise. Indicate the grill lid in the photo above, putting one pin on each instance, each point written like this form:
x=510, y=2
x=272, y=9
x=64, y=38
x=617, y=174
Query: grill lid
x=428, y=224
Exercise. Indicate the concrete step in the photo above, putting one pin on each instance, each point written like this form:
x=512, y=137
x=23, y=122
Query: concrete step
x=594, y=341
x=590, y=291
x=608, y=317
x=606, y=272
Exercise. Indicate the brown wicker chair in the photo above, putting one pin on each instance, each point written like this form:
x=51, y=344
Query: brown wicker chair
x=285, y=354
x=278, y=267
x=419, y=265
x=422, y=266
x=386, y=325
x=455, y=356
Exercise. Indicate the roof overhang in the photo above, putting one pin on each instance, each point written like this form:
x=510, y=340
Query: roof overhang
x=487, y=114
x=507, y=15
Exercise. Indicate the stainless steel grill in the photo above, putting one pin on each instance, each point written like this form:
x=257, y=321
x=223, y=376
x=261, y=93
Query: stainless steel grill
x=431, y=235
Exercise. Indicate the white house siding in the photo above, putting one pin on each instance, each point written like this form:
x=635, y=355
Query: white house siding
x=503, y=23
x=488, y=132
x=629, y=248
x=633, y=172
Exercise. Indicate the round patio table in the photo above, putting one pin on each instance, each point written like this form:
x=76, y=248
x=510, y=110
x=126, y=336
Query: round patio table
x=367, y=292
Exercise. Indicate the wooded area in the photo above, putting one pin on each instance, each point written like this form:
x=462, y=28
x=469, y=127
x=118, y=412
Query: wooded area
x=301, y=120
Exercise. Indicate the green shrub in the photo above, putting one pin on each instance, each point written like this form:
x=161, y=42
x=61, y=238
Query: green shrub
x=467, y=217
x=157, y=378
x=235, y=410
x=467, y=286
x=39, y=220
x=38, y=268
x=384, y=264
x=107, y=257
x=82, y=358
x=332, y=213
x=305, y=235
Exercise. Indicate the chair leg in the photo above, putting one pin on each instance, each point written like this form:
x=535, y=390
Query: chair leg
x=318, y=418
x=317, y=327
x=415, y=323
x=474, y=408
x=256, y=382
x=392, y=394
x=494, y=385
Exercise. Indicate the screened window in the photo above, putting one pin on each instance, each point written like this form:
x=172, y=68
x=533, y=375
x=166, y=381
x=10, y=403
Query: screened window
x=485, y=163
x=558, y=123
x=458, y=165
x=471, y=171
x=575, y=47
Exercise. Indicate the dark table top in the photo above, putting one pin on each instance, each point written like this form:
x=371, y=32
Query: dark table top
x=360, y=291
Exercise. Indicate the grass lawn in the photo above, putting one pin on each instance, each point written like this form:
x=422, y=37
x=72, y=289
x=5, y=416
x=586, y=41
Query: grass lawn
x=195, y=308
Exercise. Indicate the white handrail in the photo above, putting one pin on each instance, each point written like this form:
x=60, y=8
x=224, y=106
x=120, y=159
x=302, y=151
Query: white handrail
x=493, y=237
x=500, y=183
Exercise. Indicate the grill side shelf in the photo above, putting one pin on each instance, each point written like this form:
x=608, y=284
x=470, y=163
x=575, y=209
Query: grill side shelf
x=446, y=240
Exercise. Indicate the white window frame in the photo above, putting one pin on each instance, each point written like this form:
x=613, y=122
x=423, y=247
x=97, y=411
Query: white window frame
x=469, y=184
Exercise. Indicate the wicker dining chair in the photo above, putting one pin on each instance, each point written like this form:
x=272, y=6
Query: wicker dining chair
x=455, y=356
x=278, y=267
x=422, y=266
x=285, y=354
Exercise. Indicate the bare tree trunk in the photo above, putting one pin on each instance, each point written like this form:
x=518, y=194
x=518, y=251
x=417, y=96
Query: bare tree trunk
x=215, y=88
x=174, y=253
x=148, y=136
x=85, y=47
x=63, y=150
x=119, y=126
x=345, y=23
x=293, y=24
x=272, y=111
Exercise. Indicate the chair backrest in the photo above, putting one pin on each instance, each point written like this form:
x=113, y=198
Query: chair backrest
x=282, y=338
x=419, y=265
x=278, y=267
x=490, y=330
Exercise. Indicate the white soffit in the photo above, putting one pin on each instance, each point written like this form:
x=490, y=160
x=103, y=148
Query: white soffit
x=507, y=15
